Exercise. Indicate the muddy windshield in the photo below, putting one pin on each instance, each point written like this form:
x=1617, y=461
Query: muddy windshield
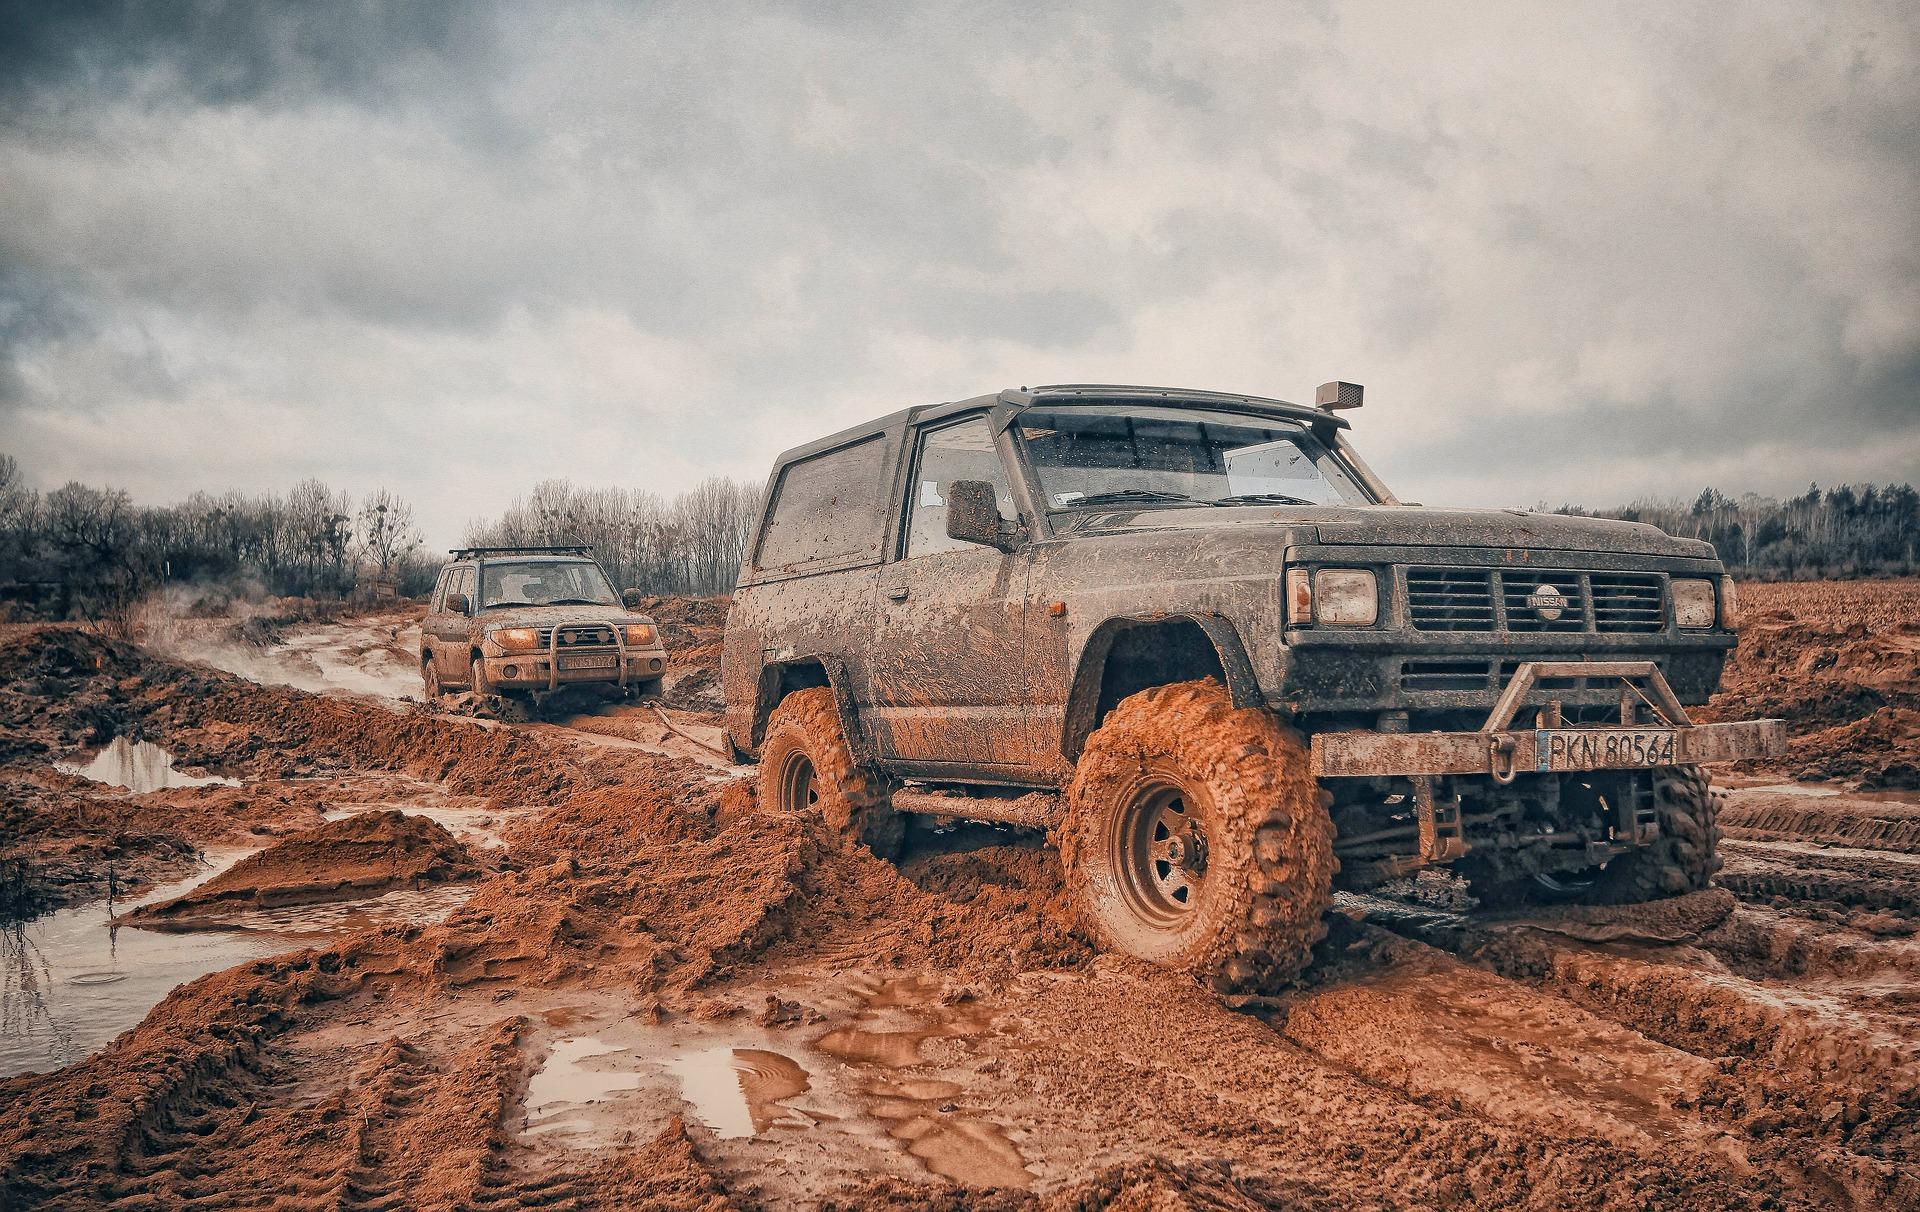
x=1147, y=457
x=545, y=583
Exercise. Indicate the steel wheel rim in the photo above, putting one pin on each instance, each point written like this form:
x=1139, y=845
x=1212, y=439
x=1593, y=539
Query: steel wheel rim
x=799, y=785
x=1158, y=847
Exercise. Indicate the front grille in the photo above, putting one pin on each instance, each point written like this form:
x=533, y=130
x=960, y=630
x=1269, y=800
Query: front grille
x=1544, y=601
x=1446, y=673
x=1450, y=599
x=1493, y=673
x=1493, y=599
x=1628, y=601
x=578, y=637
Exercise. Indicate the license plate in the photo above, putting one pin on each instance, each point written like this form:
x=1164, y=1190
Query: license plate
x=590, y=661
x=1604, y=748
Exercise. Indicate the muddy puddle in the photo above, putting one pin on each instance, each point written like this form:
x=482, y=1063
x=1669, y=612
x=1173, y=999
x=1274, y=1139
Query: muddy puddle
x=139, y=766
x=72, y=980
x=855, y=1083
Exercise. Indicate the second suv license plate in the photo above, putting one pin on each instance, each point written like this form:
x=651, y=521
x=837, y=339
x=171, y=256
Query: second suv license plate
x=594, y=661
x=1558, y=749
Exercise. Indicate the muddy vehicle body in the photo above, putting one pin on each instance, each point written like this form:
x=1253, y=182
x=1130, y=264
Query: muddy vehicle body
x=519, y=624
x=1194, y=637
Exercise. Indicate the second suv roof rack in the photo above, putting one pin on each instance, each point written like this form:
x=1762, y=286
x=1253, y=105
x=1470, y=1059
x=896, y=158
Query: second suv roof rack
x=462, y=553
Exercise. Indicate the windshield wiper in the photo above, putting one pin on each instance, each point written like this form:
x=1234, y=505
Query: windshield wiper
x=1119, y=495
x=498, y=605
x=1262, y=498
x=577, y=602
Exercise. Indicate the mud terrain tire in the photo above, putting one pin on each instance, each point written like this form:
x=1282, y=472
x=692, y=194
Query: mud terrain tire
x=430, y=675
x=1237, y=779
x=1685, y=855
x=807, y=766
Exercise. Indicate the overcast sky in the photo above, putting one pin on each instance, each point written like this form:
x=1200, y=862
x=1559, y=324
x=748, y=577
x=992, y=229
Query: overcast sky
x=1575, y=252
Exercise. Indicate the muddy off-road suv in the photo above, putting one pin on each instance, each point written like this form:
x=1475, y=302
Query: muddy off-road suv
x=1197, y=640
x=518, y=624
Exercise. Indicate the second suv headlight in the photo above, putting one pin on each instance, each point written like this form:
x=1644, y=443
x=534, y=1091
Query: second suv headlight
x=638, y=635
x=515, y=639
x=1345, y=597
x=1693, y=604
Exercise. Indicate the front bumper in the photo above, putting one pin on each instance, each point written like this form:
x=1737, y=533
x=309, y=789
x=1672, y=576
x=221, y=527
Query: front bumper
x=540, y=670
x=1502, y=751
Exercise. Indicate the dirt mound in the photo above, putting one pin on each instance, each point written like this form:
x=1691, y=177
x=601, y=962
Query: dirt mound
x=1840, y=662
x=340, y=860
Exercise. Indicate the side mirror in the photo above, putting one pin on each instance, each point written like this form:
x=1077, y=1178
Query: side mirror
x=630, y=599
x=973, y=515
x=457, y=603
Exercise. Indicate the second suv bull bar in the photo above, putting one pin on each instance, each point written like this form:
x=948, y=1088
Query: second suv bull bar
x=1503, y=752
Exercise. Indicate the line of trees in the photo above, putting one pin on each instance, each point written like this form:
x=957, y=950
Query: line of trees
x=1834, y=532
x=691, y=544
x=91, y=552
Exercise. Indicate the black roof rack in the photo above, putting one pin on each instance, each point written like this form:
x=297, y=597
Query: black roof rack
x=580, y=549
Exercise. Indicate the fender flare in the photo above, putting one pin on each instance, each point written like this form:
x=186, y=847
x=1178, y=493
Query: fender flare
x=1083, y=700
x=767, y=696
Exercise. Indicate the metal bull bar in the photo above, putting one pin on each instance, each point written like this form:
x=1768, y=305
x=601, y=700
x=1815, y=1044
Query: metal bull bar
x=1668, y=738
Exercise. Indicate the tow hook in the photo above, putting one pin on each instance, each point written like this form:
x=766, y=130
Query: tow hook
x=1500, y=759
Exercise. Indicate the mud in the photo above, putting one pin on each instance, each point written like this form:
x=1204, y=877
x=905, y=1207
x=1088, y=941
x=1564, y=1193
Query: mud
x=353, y=858
x=639, y=989
x=1840, y=662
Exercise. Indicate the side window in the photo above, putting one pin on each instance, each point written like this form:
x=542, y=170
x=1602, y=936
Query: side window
x=463, y=583
x=826, y=511
x=956, y=452
x=440, y=591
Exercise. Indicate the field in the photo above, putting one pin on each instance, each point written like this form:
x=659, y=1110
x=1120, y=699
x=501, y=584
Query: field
x=580, y=968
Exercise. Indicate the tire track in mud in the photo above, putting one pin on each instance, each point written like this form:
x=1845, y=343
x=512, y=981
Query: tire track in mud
x=1806, y=1081
x=1797, y=875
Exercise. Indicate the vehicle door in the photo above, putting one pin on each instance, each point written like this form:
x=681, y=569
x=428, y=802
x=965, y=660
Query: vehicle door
x=451, y=630
x=947, y=668
x=430, y=623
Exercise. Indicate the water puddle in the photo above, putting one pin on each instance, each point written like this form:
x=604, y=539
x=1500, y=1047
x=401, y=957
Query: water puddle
x=578, y=1073
x=738, y=1091
x=70, y=981
x=866, y=1083
x=139, y=766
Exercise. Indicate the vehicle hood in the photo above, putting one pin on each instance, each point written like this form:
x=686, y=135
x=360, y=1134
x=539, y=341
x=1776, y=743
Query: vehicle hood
x=1406, y=526
x=552, y=616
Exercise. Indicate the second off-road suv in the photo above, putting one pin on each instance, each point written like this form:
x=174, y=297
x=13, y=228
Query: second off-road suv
x=518, y=624
x=1196, y=639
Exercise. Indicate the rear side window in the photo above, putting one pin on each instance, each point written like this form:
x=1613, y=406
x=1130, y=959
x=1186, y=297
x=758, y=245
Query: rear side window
x=826, y=511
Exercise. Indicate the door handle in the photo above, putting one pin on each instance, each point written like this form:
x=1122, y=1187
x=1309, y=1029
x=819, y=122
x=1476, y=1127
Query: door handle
x=898, y=593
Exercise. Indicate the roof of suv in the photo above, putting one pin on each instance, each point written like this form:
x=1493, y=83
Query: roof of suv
x=1061, y=393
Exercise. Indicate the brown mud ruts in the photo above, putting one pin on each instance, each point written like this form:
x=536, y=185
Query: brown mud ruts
x=1196, y=838
x=348, y=859
x=1702, y=1052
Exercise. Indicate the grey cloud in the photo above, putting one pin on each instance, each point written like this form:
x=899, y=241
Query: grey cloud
x=692, y=233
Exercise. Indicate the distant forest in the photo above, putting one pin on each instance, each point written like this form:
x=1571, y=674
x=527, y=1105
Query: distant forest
x=91, y=553
x=84, y=552
x=1835, y=532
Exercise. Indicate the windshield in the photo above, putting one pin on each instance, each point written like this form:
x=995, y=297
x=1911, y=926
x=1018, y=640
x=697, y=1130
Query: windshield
x=1144, y=456
x=544, y=583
